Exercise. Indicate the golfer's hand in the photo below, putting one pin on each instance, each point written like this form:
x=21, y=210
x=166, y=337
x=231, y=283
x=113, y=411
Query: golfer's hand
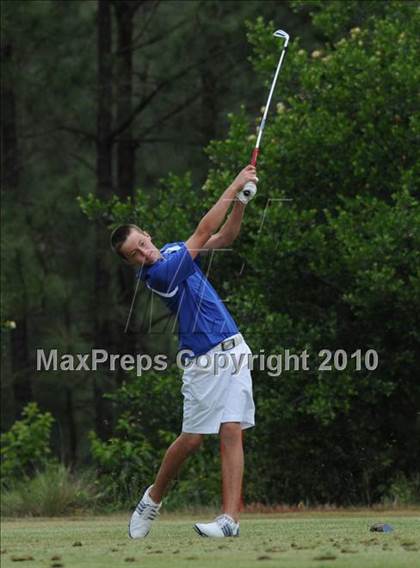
x=247, y=174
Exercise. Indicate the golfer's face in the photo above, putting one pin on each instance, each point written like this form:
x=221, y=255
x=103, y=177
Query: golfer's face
x=138, y=249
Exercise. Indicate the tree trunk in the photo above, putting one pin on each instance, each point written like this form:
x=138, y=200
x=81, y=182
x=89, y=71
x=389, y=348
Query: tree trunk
x=9, y=153
x=124, y=12
x=16, y=387
x=102, y=323
x=21, y=366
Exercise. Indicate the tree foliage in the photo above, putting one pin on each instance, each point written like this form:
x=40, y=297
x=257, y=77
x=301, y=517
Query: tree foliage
x=328, y=257
x=25, y=448
x=336, y=267
x=99, y=97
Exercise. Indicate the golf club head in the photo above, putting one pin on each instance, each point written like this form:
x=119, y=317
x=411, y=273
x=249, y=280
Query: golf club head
x=282, y=34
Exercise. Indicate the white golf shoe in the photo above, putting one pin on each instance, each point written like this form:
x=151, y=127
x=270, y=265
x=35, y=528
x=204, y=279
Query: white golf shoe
x=143, y=516
x=221, y=527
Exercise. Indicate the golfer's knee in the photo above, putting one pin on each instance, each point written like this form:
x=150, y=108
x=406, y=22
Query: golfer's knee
x=191, y=442
x=231, y=434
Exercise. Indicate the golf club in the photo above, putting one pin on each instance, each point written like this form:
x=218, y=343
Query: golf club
x=250, y=187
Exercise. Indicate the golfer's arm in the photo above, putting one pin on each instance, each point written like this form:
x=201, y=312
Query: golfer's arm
x=232, y=227
x=230, y=230
x=211, y=220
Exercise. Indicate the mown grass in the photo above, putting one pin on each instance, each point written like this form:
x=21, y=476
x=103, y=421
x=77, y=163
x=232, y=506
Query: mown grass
x=296, y=540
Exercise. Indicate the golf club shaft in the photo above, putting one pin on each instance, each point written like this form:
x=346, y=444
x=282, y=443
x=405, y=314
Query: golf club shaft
x=256, y=150
x=250, y=188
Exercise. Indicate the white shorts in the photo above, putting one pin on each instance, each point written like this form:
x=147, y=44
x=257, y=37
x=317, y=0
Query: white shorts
x=213, y=395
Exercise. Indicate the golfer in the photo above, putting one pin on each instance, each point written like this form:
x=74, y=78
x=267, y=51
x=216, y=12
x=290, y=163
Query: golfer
x=214, y=402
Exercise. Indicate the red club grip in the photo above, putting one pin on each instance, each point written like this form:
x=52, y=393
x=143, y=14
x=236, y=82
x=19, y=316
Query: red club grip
x=254, y=157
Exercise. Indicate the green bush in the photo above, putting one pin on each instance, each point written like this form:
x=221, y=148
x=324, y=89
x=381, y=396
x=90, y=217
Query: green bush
x=128, y=462
x=404, y=491
x=124, y=465
x=53, y=492
x=336, y=267
x=25, y=448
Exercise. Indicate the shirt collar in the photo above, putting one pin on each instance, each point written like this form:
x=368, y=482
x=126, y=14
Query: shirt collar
x=144, y=270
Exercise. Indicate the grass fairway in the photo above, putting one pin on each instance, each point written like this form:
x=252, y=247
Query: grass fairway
x=294, y=540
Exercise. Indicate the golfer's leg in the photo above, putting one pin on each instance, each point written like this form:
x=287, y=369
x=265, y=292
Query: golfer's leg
x=175, y=456
x=232, y=467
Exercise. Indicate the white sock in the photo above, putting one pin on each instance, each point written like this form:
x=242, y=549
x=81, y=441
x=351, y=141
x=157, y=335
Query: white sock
x=230, y=518
x=148, y=499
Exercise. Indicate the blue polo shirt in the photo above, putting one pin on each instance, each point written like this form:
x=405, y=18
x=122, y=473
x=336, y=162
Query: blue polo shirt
x=203, y=320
